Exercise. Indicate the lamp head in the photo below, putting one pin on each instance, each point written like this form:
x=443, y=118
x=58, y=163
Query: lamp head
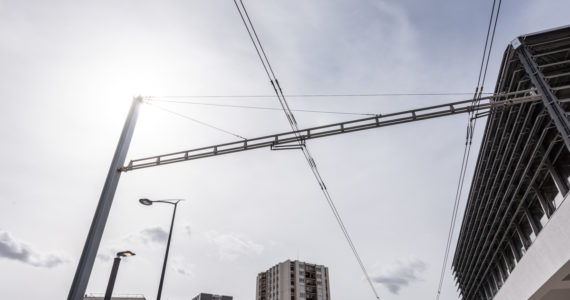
x=125, y=253
x=145, y=201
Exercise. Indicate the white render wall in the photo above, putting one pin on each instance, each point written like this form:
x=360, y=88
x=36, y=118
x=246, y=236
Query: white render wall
x=548, y=253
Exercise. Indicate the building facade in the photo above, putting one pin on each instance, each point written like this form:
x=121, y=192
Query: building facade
x=294, y=280
x=205, y=296
x=514, y=241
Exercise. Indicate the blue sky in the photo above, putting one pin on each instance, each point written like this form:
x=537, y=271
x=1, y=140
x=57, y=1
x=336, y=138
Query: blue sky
x=71, y=68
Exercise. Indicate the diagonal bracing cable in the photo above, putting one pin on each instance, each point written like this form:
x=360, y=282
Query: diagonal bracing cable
x=196, y=121
x=293, y=123
x=469, y=139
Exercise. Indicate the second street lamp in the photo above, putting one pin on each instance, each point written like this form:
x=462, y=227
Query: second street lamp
x=174, y=202
x=114, y=271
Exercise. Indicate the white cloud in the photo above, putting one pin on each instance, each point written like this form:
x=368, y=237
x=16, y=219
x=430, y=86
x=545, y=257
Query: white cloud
x=400, y=274
x=182, y=268
x=153, y=234
x=231, y=246
x=188, y=230
x=150, y=235
x=12, y=249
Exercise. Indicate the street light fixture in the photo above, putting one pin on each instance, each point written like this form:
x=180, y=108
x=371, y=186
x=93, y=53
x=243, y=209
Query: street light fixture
x=126, y=253
x=114, y=272
x=148, y=202
x=145, y=201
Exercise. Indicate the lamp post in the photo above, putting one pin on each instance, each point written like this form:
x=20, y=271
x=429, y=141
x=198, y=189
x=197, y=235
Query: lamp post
x=174, y=202
x=114, y=271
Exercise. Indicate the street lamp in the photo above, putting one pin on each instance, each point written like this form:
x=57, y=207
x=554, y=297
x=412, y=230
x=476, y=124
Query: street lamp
x=114, y=271
x=174, y=202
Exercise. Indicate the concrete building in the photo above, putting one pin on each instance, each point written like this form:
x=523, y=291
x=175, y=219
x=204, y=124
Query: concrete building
x=293, y=280
x=204, y=296
x=514, y=242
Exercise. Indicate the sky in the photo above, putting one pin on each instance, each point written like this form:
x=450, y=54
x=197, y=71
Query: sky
x=69, y=71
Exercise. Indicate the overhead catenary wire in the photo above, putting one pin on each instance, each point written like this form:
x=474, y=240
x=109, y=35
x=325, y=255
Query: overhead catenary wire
x=487, y=63
x=320, y=95
x=472, y=122
x=259, y=107
x=293, y=123
x=490, y=47
x=160, y=99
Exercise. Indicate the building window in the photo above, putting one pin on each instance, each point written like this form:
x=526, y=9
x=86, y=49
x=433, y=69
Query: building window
x=301, y=273
x=537, y=212
x=515, y=245
x=493, y=286
x=301, y=279
x=562, y=166
x=302, y=295
x=526, y=229
x=501, y=271
x=549, y=190
x=504, y=263
x=319, y=276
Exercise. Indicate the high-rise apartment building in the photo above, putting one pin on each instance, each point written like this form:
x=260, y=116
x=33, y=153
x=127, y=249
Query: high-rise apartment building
x=515, y=237
x=205, y=296
x=293, y=280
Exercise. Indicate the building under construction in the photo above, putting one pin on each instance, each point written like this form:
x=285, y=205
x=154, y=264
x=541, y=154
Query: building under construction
x=515, y=236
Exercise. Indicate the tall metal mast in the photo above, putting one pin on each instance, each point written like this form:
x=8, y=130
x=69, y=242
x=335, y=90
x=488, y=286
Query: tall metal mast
x=81, y=279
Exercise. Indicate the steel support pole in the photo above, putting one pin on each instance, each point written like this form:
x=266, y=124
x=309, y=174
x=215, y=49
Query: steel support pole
x=548, y=98
x=112, y=278
x=85, y=265
x=166, y=254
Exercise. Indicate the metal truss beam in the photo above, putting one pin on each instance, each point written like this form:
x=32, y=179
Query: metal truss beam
x=508, y=219
x=294, y=137
x=494, y=174
x=503, y=179
x=470, y=261
x=481, y=175
x=475, y=263
x=548, y=98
